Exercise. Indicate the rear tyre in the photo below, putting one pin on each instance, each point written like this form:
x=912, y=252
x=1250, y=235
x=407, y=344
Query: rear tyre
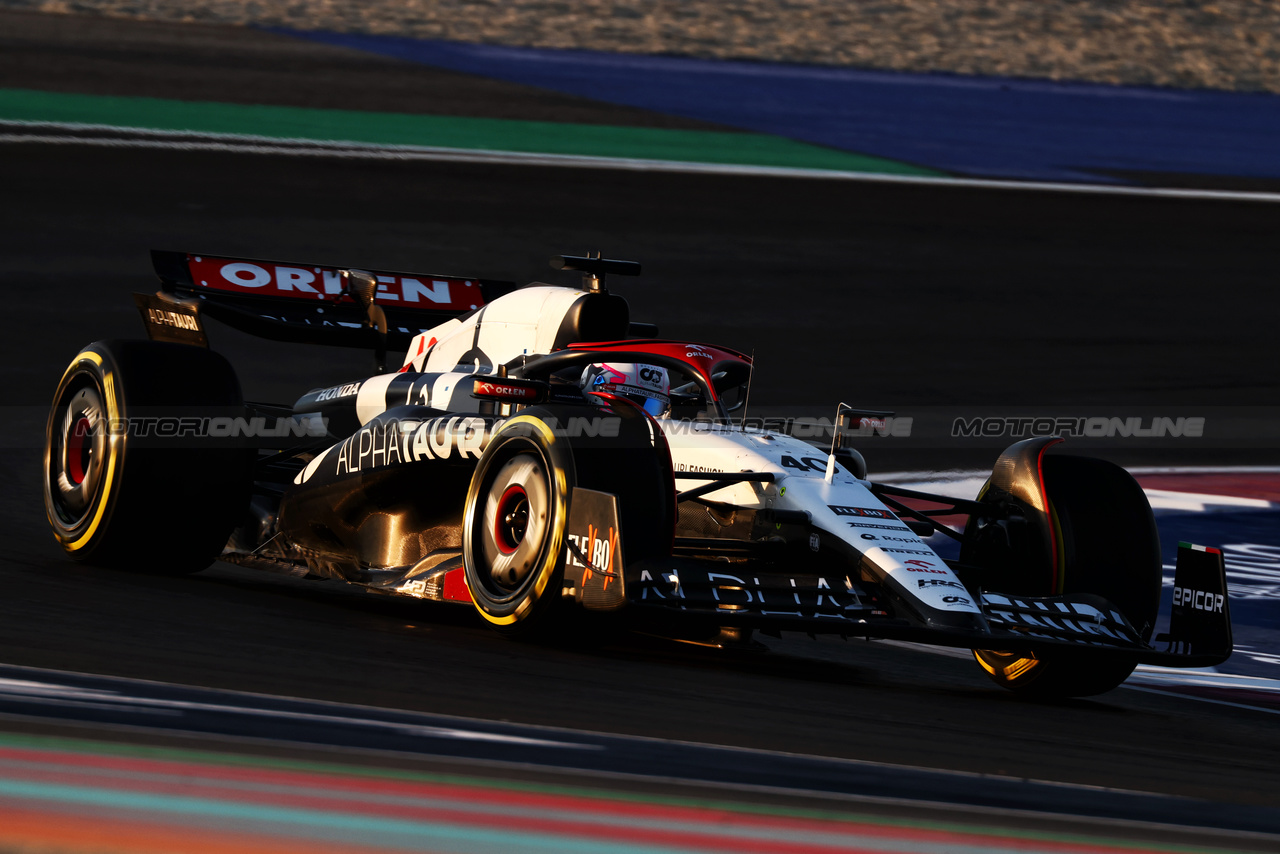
x=1107, y=544
x=515, y=519
x=514, y=525
x=163, y=498
x=517, y=511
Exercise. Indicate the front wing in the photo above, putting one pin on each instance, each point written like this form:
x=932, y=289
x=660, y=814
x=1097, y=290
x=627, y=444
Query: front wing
x=1199, y=631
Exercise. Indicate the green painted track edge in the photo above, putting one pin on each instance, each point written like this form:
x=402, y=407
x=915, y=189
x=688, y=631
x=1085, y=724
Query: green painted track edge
x=373, y=128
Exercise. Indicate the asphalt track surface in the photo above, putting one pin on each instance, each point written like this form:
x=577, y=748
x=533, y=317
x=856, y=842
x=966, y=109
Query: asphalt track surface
x=880, y=294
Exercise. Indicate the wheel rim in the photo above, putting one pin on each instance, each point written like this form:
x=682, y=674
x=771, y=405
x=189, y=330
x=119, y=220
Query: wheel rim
x=511, y=521
x=78, y=454
x=515, y=524
x=1007, y=667
x=79, y=450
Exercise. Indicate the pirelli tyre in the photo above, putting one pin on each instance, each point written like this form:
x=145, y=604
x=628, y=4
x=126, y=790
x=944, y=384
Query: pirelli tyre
x=517, y=508
x=1108, y=545
x=514, y=524
x=132, y=476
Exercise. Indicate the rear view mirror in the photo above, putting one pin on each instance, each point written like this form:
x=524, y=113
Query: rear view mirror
x=362, y=286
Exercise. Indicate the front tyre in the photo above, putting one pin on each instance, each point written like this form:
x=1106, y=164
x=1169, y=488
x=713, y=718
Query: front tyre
x=1060, y=675
x=1107, y=544
x=164, y=498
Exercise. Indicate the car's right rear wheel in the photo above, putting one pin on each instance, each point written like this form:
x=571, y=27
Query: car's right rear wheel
x=517, y=512
x=514, y=524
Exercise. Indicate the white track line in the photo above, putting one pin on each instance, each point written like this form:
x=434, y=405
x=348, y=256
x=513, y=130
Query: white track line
x=555, y=735
x=1207, y=677
x=249, y=144
x=1146, y=689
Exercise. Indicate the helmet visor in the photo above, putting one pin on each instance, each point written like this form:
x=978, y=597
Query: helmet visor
x=652, y=402
x=654, y=407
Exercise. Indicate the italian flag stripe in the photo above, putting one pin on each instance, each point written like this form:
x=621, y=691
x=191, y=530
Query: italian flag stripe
x=1194, y=547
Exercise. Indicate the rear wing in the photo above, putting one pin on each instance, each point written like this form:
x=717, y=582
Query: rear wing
x=301, y=303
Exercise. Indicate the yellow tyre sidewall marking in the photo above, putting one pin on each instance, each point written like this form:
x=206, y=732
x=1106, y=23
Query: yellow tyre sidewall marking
x=556, y=544
x=113, y=447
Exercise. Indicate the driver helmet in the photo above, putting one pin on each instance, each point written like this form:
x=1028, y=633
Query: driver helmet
x=645, y=385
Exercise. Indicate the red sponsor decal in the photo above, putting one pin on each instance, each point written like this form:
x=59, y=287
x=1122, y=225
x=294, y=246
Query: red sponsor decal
x=923, y=566
x=301, y=282
x=505, y=391
x=455, y=586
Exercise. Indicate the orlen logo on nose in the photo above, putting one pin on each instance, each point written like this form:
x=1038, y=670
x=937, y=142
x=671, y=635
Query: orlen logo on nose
x=264, y=277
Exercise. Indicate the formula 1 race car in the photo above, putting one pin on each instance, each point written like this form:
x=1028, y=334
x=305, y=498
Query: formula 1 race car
x=538, y=454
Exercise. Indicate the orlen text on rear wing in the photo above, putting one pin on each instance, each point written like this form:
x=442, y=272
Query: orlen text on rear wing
x=303, y=303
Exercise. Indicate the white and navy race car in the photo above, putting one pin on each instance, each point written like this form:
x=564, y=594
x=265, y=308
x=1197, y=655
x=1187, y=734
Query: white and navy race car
x=539, y=454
